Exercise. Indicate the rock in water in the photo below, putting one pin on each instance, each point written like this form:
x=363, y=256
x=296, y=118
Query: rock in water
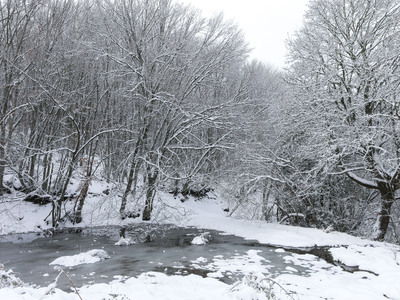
x=125, y=242
x=202, y=239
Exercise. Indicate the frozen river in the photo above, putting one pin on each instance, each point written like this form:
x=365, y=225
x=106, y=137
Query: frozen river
x=166, y=249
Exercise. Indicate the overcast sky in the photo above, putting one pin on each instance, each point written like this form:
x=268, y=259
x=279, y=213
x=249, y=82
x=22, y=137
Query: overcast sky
x=266, y=23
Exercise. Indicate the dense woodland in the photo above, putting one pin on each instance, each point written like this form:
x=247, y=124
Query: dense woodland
x=151, y=95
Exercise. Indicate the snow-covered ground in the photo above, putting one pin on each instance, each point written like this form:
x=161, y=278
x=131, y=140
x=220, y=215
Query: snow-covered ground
x=379, y=263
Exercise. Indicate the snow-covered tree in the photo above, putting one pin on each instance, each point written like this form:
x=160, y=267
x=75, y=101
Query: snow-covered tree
x=344, y=70
x=16, y=18
x=172, y=60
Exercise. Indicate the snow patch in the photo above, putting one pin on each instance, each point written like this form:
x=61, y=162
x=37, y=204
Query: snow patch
x=244, y=264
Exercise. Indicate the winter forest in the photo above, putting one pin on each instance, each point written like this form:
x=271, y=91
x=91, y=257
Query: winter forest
x=153, y=92
x=149, y=97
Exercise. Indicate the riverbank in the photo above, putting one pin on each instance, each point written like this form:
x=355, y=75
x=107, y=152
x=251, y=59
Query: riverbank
x=378, y=263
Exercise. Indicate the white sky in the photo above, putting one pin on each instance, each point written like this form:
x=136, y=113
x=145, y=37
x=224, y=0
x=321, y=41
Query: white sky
x=265, y=23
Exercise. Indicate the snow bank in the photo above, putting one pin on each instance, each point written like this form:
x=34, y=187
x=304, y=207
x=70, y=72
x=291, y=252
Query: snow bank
x=154, y=285
x=378, y=260
x=89, y=257
x=103, y=210
x=209, y=214
x=149, y=286
x=18, y=216
x=325, y=281
x=382, y=262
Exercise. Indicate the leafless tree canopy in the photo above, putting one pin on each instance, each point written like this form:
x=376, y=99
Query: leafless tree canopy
x=154, y=96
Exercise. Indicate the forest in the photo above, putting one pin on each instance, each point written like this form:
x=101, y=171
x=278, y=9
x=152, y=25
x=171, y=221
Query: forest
x=152, y=96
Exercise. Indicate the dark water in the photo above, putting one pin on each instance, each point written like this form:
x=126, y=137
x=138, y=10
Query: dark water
x=162, y=248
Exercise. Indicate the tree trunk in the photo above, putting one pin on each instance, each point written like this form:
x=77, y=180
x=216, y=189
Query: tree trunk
x=46, y=172
x=127, y=190
x=2, y=146
x=150, y=193
x=2, y=160
x=132, y=180
x=387, y=198
x=265, y=199
x=81, y=201
x=56, y=209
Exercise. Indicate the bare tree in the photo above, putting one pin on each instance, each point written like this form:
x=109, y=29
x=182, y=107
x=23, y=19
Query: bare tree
x=15, y=26
x=170, y=53
x=344, y=66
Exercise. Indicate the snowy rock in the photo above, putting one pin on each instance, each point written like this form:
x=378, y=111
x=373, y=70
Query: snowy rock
x=89, y=257
x=125, y=242
x=280, y=250
x=12, y=182
x=198, y=240
x=202, y=239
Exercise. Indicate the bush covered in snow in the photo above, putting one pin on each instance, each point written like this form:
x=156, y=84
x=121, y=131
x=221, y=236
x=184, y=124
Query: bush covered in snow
x=263, y=285
x=8, y=279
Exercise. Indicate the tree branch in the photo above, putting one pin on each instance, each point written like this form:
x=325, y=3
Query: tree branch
x=361, y=181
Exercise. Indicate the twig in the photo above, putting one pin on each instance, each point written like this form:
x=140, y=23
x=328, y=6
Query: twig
x=69, y=279
x=273, y=282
